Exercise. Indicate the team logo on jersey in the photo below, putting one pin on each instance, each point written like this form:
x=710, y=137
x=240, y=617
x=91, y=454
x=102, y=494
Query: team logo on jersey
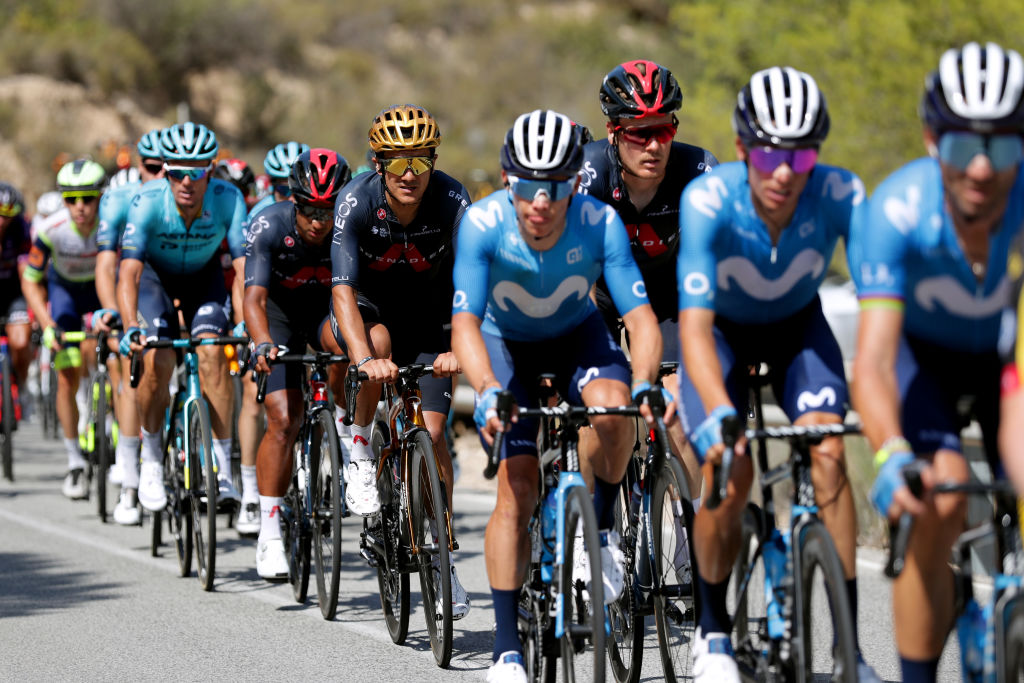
x=590, y=374
x=947, y=292
x=904, y=214
x=507, y=292
x=709, y=201
x=809, y=400
x=484, y=218
x=639, y=289
x=696, y=284
x=574, y=255
x=289, y=241
x=840, y=189
x=460, y=300
x=616, y=194
x=757, y=286
x=382, y=214
x=595, y=214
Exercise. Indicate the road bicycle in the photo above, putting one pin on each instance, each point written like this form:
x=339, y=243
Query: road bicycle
x=10, y=410
x=190, y=468
x=315, y=501
x=990, y=632
x=654, y=519
x=413, y=531
x=796, y=623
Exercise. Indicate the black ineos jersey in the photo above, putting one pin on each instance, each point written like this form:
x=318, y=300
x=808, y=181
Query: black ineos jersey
x=297, y=275
x=653, y=232
x=392, y=265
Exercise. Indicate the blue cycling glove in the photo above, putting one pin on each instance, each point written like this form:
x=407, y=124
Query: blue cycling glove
x=641, y=388
x=239, y=330
x=125, y=345
x=100, y=312
x=889, y=480
x=709, y=432
x=486, y=406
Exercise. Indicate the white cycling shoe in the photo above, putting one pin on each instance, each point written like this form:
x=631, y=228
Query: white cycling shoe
x=713, y=660
x=612, y=563
x=508, y=669
x=152, y=493
x=361, y=495
x=271, y=561
x=460, y=598
x=127, y=512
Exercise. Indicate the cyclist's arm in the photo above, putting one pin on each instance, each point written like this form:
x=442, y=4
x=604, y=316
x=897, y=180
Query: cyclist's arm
x=128, y=291
x=106, y=280
x=350, y=322
x=238, y=289
x=33, y=282
x=1011, y=436
x=468, y=345
x=875, y=392
x=645, y=343
x=696, y=326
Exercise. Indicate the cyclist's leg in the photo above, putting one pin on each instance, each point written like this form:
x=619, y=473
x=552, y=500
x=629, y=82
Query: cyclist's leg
x=19, y=334
x=670, y=352
x=64, y=310
x=336, y=381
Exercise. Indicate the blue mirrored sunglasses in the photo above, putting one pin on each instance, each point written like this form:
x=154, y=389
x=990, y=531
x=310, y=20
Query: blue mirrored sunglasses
x=958, y=149
x=190, y=172
x=530, y=189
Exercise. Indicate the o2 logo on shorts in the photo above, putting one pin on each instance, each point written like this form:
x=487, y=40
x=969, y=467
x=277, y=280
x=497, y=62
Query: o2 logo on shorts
x=382, y=214
x=289, y=241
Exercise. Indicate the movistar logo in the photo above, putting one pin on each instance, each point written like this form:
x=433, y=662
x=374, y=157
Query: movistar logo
x=485, y=218
x=507, y=292
x=947, y=292
x=808, y=400
x=904, y=214
x=757, y=286
x=709, y=201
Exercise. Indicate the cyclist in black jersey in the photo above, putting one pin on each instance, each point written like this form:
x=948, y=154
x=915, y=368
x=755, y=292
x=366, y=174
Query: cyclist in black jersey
x=15, y=243
x=287, y=299
x=641, y=172
x=392, y=260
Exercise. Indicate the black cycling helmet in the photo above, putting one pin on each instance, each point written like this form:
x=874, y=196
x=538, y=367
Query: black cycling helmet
x=317, y=176
x=975, y=88
x=543, y=144
x=11, y=201
x=638, y=89
x=238, y=173
x=781, y=107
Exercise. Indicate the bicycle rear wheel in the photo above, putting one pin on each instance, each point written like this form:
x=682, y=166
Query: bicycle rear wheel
x=7, y=417
x=625, y=646
x=826, y=625
x=674, y=596
x=203, y=491
x=582, y=605
x=392, y=582
x=296, y=534
x=750, y=629
x=327, y=512
x=1010, y=661
x=429, y=511
x=100, y=441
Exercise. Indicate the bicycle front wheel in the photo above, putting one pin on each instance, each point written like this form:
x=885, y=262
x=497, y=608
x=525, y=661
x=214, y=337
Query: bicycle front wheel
x=626, y=644
x=327, y=513
x=1011, y=658
x=392, y=582
x=582, y=591
x=826, y=627
x=7, y=417
x=203, y=492
x=429, y=514
x=674, y=569
x=179, y=507
x=296, y=531
x=100, y=441
x=49, y=399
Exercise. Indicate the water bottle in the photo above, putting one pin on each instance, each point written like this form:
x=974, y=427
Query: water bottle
x=971, y=627
x=775, y=559
x=547, y=531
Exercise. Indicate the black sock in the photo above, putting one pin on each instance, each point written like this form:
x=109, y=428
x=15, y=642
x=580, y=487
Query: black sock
x=919, y=671
x=851, y=594
x=714, y=617
x=605, y=496
x=506, y=617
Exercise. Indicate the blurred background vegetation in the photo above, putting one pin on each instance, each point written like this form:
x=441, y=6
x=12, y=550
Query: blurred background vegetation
x=261, y=72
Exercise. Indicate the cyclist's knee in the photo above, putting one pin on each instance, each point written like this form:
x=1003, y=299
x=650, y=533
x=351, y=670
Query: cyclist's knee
x=828, y=465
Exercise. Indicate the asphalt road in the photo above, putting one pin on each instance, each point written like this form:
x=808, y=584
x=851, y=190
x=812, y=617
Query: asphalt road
x=85, y=601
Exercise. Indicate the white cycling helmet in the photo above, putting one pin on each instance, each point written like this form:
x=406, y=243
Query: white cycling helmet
x=975, y=88
x=781, y=107
x=543, y=144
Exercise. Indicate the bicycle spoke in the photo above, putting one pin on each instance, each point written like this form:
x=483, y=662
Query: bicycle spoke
x=327, y=513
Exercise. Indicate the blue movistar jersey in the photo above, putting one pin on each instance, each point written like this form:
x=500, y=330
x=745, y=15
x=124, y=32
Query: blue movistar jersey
x=527, y=295
x=906, y=250
x=727, y=260
x=156, y=233
x=114, y=214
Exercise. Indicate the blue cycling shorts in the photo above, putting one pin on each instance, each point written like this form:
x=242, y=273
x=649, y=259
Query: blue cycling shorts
x=202, y=295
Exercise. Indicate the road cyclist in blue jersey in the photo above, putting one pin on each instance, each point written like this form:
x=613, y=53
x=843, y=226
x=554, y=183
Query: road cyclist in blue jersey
x=929, y=260
x=61, y=272
x=757, y=238
x=113, y=216
x=287, y=304
x=169, y=251
x=528, y=256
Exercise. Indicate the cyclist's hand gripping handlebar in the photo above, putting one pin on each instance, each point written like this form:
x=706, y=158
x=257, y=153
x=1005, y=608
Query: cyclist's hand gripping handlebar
x=506, y=402
x=899, y=533
x=731, y=431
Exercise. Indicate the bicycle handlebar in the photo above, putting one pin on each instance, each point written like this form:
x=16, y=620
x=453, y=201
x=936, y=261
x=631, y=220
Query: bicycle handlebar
x=320, y=357
x=355, y=378
x=731, y=432
x=187, y=343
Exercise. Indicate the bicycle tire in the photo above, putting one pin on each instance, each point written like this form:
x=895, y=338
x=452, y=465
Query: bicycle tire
x=536, y=633
x=179, y=507
x=101, y=443
x=626, y=641
x=818, y=556
x=748, y=609
x=236, y=445
x=392, y=582
x=296, y=533
x=327, y=513
x=51, y=426
x=7, y=423
x=202, y=484
x=583, y=608
x=1012, y=664
x=429, y=511
x=675, y=603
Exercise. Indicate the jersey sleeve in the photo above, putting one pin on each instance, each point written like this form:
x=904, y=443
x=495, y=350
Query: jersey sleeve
x=473, y=255
x=701, y=210
x=133, y=240
x=258, y=255
x=348, y=215
x=237, y=227
x=38, y=257
x=877, y=246
x=625, y=283
x=110, y=221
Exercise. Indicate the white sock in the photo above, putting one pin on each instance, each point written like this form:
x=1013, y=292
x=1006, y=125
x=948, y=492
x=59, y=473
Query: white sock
x=696, y=504
x=128, y=457
x=82, y=399
x=222, y=449
x=152, y=450
x=270, y=517
x=74, y=451
x=339, y=416
x=361, y=442
x=250, y=492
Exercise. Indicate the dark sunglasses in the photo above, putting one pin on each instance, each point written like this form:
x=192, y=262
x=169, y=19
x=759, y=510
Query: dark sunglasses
x=86, y=199
x=958, y=149
x=767, y=159
x=154, y=168
x=315, y=213
x=642, y=135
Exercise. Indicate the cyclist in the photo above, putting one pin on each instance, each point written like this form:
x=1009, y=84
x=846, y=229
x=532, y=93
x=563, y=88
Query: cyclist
x=527, y=259
x=287, y=303
x=113, y=213
x=641, y=172
x=15, y=244
x=251, y=416
x=929, y=260
x=748, y=271
x=174, y=229
x=392, y=259
x=66, y=241
x=238, y=173
x=48, y=204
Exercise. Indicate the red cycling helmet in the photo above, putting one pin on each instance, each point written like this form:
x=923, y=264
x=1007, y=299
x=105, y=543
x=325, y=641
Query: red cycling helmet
x=638, y=89
x=317, y=176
